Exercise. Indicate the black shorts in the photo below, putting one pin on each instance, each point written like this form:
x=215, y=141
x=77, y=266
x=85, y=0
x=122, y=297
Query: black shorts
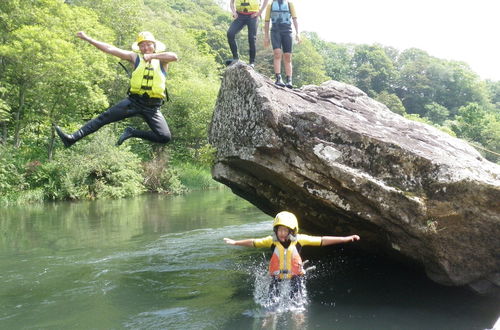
x=282, y=39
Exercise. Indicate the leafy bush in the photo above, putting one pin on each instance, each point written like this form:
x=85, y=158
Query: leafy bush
x=92, y=168
x=195, y=176
x=11, y=177
x=158, y=177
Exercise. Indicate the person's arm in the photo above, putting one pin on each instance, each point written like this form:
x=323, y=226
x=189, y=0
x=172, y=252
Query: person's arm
x=296, y=25
x=243, y=242
x=330, y=240
x=295, y=22
x=266, y=35
x=107, y=48
x=267, y=23
x=165, y=57
x=264, y=6
x=233, y=9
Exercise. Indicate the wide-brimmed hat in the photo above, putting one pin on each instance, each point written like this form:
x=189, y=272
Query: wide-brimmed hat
x=148, y=36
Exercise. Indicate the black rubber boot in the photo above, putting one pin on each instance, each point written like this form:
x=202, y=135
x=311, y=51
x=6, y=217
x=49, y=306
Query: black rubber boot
x=288, y=83
x=127, y=134
x=279, y=80
x=67, y=140
x=230, y=61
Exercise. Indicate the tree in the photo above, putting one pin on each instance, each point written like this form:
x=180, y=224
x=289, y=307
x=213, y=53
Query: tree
x=373, y=69
x=493, y=88
x=471, y=121
x=392, y=101
x=491, y=137
x=336, y=57
x=308, y=65
x=413, y=86
x=436, y=113
x=49, y=72
x=455, y=85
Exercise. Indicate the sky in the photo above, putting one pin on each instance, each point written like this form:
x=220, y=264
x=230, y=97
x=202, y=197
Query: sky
x=458, y=30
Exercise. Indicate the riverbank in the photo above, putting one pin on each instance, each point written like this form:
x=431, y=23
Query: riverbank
x=96, y=169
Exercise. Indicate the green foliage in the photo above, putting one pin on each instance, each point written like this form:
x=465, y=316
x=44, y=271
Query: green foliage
x=190, y=114
x=11, y=175
x=471, y=121
x=373, y=69
x=424, y=80
x=416, y=117
x=47, y=76
x=93, y=168
x=436, y=113
x=392, y=101
x=50, y=74
x=337, y=58
x=491, y=137
x=493, y=89
x=309, y=66
x=160, y=178
x=195, y=177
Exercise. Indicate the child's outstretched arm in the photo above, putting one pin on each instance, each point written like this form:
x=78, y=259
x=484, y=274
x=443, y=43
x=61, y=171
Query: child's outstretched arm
x=243, y=242
x=330, y=240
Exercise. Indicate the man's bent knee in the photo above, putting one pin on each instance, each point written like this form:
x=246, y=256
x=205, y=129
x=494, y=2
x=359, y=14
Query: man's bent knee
x=164, y=138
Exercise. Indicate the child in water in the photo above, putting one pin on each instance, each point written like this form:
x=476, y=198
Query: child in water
x=286, y=244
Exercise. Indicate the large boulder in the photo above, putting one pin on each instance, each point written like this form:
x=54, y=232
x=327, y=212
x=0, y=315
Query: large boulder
x=346, y=164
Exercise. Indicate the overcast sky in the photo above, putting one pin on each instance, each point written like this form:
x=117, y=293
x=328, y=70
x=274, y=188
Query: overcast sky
x=459, y=30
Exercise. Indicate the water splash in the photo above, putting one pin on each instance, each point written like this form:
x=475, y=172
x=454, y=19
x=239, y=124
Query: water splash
x=279, y=297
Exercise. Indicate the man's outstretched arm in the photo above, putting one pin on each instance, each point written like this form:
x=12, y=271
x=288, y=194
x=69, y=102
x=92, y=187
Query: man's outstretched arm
x=107, y=48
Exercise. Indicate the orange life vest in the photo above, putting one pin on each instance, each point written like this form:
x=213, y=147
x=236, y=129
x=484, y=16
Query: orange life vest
x=285, y=263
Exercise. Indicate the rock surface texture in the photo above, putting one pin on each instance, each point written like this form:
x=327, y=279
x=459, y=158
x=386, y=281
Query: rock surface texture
x=344, y=164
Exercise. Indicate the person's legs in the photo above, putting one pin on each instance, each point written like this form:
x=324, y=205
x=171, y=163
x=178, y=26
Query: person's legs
x=252, y=37
x=276, y=43
x=233, y=30
x=277, y=66
x=159, y=133
x=117, y=112
x=274, y=291
x=286, y=40
x=287, y=59
x=296, y=283
x=277, y=60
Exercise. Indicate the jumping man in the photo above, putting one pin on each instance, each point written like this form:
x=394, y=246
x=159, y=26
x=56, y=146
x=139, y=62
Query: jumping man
x=147, y=91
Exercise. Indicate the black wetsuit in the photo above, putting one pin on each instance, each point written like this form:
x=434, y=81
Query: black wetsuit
x=237, y=25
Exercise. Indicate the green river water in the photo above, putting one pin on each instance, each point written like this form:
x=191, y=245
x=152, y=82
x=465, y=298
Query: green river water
x=159, y=262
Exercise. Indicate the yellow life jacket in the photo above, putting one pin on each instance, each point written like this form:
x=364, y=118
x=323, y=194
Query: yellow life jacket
x=247, y=6
x=148, y=78
x=285, y=263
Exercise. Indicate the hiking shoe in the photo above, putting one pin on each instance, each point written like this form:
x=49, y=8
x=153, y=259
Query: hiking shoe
x=252, y=65
x=279, y=82
x=288, y=83
x=128, y=133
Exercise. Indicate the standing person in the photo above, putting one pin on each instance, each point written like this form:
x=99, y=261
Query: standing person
x=281, y=13
x=286, y=243
x=146, y=94
x=245, y=12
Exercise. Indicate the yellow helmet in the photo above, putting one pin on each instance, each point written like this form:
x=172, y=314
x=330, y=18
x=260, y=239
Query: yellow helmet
x=148, y=36
x=288, y=220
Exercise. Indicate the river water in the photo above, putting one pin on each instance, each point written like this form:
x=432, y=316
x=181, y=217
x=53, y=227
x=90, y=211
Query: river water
x=159, y=262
